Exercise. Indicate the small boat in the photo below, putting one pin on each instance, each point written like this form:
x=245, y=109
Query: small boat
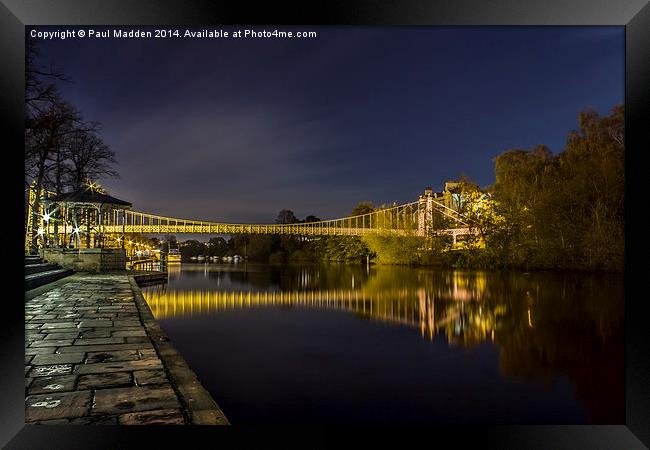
x=174, y=256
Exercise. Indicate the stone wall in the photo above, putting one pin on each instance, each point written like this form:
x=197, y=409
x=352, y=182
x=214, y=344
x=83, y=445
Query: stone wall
x=87, y=259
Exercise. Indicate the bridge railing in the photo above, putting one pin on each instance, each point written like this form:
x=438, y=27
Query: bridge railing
x=407, y=218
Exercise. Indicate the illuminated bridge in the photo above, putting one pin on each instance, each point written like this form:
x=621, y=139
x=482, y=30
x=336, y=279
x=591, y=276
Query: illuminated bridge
x=409, y=218
x=95, y=213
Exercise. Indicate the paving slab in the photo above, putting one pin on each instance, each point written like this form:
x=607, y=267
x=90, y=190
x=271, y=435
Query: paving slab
x=140, y=398
x=104, y=347
x=48, y=385
x=57, y=406
x=39, y=350
x=105, y=380
x=120, y=355
x=52, y=343
x=58, y=358
x=131, y=333
x=96, y=341
x=146, y=377
x=57, y=336
x=118, y=366
x=46, y=371
x=100, y=333
x=160, y=417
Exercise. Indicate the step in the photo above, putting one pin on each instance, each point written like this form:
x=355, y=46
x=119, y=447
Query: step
x=41, y=267
x=39, y=279
x=33, y=259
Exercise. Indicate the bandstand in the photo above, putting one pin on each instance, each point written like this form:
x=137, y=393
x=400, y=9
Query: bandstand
x=72, y=233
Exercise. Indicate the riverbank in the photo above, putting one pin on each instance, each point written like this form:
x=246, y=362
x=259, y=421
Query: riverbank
x=94, y=354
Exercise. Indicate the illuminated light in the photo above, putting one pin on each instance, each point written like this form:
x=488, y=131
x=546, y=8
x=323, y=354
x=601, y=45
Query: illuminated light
x=46, y=217
x=76, y=230
x=41, y=231
x=94, y=187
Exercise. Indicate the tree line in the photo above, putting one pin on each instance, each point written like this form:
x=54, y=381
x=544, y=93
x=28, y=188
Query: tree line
x=562, y=211
x=274, y=248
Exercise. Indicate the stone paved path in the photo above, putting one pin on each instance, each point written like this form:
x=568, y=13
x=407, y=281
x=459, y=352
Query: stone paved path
x=89, y=359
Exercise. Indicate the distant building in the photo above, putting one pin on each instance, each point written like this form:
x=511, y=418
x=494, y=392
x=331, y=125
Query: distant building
x=452, y=196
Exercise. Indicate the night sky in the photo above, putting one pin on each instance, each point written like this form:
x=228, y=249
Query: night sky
x=238, y=129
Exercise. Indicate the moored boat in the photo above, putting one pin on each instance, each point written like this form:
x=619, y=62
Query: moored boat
x=174, y=256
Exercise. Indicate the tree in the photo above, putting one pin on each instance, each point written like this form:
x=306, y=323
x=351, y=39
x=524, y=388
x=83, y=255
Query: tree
x=286, y=216
x=44, y=144
x=192, y=248
x=391, y=249
x=169, y=242
x=217, y=246
x=45, y=111
x=592, y=194
x=339, y=248
x=481, y=214
x=40, y=92
x=518, y=190
x=362, y=208
x=90, y=158
x=566, y=210
x=260, y=247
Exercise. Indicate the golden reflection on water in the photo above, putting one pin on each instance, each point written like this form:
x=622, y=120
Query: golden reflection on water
x=411, y=307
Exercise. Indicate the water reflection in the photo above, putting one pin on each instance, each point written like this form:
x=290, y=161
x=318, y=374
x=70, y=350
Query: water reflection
x=546, y=326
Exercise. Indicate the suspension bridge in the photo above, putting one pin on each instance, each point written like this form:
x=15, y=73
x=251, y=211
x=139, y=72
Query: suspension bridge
x=406, y=218
x=413, y=218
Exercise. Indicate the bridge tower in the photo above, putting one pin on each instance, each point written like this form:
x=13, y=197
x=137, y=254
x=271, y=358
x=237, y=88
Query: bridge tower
x=425, y=212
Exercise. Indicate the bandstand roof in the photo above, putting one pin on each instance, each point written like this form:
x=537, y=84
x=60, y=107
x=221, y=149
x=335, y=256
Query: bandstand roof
x=88, y=195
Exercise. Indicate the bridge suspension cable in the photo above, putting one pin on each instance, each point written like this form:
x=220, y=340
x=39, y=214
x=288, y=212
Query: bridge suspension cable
x=408, y=218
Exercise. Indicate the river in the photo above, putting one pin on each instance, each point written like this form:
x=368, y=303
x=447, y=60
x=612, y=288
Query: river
x=346, y=344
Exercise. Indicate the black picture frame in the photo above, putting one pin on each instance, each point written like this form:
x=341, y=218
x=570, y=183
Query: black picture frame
x=633, y=14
